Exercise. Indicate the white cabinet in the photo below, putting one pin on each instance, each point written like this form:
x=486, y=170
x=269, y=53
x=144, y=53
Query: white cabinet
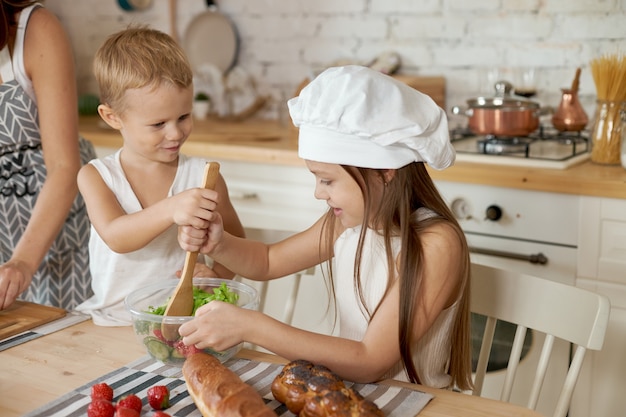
x=602, y=268
x=274, y=197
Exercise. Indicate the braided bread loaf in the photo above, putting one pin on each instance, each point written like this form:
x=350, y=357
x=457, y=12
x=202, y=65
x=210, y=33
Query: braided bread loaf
x=310, y=390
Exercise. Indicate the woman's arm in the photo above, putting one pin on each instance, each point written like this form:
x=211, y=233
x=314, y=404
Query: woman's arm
x=49, y=64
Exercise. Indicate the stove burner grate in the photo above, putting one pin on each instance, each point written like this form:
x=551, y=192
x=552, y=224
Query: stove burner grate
x=501, y=146
x=545, y=143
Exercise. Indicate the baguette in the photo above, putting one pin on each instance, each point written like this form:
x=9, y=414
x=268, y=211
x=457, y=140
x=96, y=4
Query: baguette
x=219, y=392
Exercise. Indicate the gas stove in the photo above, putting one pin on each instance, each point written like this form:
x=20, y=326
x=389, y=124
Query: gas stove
x=544, y=148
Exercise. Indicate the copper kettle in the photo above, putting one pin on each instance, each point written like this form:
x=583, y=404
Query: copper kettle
x=570, y=116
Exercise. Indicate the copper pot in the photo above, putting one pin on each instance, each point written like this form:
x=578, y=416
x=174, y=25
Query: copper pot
x=501, y=115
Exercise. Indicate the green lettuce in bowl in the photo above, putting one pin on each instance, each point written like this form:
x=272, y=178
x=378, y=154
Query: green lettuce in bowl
x=148, y=304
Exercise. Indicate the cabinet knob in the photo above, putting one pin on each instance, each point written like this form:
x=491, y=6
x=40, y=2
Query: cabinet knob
x=493, y=213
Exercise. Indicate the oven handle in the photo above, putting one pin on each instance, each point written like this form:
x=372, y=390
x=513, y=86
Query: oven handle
x=536, y=258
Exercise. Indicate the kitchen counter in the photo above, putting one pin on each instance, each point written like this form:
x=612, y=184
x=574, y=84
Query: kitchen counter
x=268, y=141
x=39, y=371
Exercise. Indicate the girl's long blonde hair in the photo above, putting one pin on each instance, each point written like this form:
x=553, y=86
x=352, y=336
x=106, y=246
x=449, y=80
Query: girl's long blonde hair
x=410, y=189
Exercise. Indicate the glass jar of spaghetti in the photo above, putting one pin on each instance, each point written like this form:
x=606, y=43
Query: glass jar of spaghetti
x=624, y=138
x=606, y=132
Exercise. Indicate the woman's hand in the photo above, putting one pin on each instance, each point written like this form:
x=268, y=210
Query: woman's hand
x=15, y=277
x=217, y=325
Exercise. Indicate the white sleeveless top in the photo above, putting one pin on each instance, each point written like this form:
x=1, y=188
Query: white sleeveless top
x=115, y=275
x=432, y=353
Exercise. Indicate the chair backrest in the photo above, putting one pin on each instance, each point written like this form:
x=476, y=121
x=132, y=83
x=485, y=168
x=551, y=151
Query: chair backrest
x=558, y=310
x=290, y=298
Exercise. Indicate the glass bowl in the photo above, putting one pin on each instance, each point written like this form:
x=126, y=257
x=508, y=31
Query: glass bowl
x=147, y=326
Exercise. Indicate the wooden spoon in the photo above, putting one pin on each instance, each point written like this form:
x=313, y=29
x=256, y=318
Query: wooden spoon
x=576, y=82
x=181, y=302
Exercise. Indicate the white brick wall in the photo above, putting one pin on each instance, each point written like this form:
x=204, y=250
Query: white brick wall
x=282, y=41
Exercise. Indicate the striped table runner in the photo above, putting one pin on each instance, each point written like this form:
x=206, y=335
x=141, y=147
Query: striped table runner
x=137, y=377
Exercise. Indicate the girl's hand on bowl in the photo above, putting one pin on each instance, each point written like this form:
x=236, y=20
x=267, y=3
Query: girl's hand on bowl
x=216, y=325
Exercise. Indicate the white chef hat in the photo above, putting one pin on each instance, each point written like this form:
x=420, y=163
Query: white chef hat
x=357, y=116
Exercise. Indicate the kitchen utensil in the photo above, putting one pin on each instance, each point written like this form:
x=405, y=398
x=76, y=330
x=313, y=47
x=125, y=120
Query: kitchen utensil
x=146, y=325
x=570, y=116
x=24, y=315
x=181, y=302
x=502, y=115
x=211, y=38
x=173, y=16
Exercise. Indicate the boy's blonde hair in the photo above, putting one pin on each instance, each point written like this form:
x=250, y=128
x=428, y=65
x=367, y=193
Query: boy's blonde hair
x=138, y=57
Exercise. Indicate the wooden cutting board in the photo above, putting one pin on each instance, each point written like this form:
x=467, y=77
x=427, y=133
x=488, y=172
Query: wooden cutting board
x=433, y=86
x=23, y=315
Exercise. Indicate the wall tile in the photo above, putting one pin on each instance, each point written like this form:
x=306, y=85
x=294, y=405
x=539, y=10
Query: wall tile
x=282, y=42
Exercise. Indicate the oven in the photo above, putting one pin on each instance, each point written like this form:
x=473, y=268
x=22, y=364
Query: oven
x=518, y=229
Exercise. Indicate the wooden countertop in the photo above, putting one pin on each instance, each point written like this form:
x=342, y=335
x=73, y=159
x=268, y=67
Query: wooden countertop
x=39, y=371
x=267, y=141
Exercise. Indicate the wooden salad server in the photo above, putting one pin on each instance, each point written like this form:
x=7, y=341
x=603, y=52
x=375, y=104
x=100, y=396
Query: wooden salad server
x=181, y=301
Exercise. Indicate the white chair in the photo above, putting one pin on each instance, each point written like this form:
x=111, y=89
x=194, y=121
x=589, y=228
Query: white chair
x=291, y=296
x=279, y=298
x=558, y=310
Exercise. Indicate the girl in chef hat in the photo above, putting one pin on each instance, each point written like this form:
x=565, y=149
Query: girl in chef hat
x=397, y=259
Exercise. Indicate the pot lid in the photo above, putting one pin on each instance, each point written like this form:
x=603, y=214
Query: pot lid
x=503, y=100
x=211, y=39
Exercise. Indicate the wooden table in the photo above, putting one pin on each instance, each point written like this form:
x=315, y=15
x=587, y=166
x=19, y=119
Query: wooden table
x=41, y=370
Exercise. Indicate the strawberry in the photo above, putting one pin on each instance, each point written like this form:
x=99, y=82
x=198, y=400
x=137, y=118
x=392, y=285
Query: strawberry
x=130, y=401
x=159, y=397
x=185, y=350
x=102, y=391
x=100, y=408
x=160, y=414
x=159, y=334
x=126, y=412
